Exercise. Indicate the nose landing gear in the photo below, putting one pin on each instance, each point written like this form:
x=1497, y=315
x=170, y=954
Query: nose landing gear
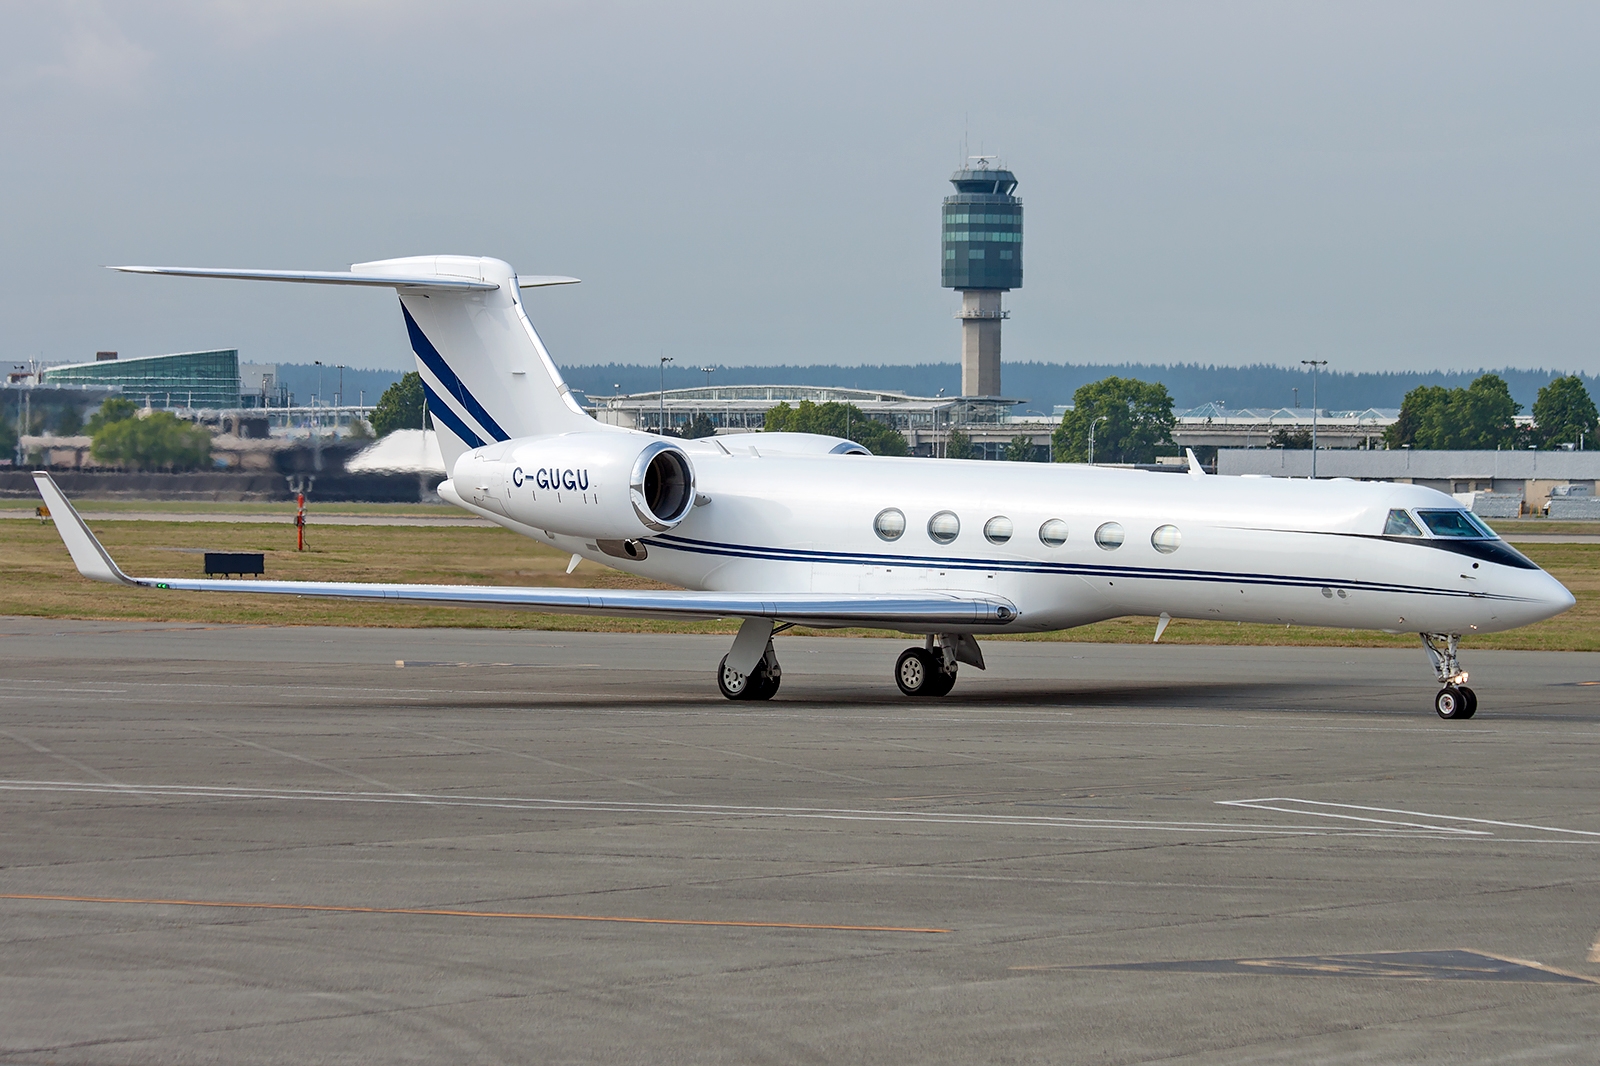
x=1455, y=700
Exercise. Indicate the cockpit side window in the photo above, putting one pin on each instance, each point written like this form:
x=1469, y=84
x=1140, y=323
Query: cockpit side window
x=1452, y=524
x=1400, y=524
x=1483, y=527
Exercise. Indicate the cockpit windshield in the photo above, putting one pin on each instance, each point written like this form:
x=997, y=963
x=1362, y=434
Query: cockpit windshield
x=1456, y=524
x=1401, y=524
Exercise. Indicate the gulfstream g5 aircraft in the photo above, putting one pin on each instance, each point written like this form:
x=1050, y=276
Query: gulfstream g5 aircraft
x=782, y=529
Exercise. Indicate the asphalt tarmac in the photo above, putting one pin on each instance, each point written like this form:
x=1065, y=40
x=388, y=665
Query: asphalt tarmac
x=253, y=844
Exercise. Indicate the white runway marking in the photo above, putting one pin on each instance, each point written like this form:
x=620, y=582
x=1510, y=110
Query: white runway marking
x=35, y=746
x=710, y=811
x=1276, y=803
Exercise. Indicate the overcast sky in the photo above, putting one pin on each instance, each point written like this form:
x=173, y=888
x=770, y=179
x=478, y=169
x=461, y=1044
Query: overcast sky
x=1384, y=185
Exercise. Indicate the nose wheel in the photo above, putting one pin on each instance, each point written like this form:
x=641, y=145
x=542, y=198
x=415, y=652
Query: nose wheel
x=920, y=672
x=1456, y=701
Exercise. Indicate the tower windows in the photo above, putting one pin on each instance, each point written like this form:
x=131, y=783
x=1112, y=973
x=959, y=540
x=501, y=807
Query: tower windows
x=992, y=237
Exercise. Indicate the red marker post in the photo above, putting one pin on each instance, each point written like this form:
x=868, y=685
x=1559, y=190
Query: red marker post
x=300, y=522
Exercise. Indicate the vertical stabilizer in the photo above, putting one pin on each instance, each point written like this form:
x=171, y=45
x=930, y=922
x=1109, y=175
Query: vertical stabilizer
x=487, y=374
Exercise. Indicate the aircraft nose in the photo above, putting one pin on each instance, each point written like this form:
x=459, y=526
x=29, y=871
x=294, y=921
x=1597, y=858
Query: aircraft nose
x=1554, y=597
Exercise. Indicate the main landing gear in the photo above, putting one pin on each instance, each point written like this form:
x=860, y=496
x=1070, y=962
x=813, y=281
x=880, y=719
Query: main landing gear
x=759, y=684
x=931, y=669
x=1455, y=700
x=759, y=680
x=920, y=672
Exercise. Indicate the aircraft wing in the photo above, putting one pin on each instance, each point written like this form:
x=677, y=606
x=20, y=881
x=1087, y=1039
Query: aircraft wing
x=890, y=610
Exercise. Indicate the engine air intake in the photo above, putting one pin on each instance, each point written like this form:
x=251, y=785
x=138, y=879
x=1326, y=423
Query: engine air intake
x=662, y=486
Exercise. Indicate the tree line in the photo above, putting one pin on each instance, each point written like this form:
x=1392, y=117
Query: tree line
x=1127, y=420
x=1482, y=416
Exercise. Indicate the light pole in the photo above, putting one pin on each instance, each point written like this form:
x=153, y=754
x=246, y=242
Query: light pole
x=1315, y=365
x=707, y=371
x=1096, y=422
x=665, y=359
x=338, y=400
x=317, y=418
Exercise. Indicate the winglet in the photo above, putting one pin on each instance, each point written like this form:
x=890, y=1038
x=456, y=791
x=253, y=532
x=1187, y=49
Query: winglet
x=92, y=560
x=1195, y=469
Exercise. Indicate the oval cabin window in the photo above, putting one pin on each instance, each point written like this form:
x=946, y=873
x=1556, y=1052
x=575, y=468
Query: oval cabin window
x=1053, y=533
x=889, y=524
x=1166, y=539
x=997, y=530
x=1109, y=536
x=944, y=527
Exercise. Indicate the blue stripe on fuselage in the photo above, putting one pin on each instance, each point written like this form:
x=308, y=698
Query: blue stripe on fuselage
x=802, y=555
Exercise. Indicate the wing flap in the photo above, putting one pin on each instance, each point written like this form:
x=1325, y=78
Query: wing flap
x=952, y=609
x=892, y=610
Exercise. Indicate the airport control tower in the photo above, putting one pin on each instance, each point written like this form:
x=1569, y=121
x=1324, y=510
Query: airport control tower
x=982, y=258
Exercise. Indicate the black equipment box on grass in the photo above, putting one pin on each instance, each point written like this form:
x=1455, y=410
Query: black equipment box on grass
x=230, y=563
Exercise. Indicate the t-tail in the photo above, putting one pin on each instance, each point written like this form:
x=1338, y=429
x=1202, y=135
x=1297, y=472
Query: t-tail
x=487, y=375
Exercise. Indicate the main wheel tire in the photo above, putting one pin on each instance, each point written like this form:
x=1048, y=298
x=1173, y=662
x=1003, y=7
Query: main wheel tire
x=1451, y=703
x=941, y=682
x=765, y=686
x=734, y=686
x=1472, y=701
x=913, y=672
x=756, y=685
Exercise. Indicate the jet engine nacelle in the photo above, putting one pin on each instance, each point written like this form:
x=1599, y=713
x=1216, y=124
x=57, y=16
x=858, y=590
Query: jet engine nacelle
x=604, y=486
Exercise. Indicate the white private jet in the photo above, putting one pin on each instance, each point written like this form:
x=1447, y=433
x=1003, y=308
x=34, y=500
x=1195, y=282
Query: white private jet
x=784, y=529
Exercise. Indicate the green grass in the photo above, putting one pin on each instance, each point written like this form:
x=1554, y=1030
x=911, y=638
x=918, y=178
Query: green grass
x=186, y=507
x=1510, y=527
x=37, y=579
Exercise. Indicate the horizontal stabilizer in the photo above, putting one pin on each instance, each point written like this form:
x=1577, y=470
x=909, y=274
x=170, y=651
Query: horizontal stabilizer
x=538, y=281
x=326, y=277
x=913, y=611
x=350, y=277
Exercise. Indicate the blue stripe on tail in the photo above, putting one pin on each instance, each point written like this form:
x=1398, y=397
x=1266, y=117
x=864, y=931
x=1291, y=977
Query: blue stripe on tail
x=451, y=421
x=435, y=362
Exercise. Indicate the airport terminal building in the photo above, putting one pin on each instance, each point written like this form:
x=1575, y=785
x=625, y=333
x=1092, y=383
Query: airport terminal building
x=183, y=380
